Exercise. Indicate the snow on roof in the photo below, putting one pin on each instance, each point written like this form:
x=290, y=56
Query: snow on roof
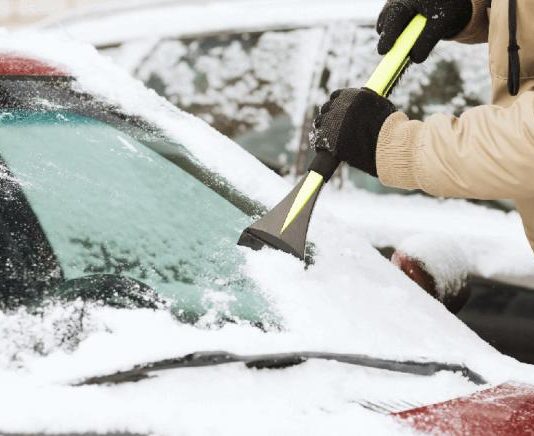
x=184, y=20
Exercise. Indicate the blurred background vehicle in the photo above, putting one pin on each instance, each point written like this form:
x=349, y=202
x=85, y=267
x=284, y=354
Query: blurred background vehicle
x=258, y=72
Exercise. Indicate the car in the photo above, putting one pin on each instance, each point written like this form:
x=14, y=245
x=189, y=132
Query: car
x=127, y=307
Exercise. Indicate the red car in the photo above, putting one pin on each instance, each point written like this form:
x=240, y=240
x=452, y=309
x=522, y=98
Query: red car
x=127, y=307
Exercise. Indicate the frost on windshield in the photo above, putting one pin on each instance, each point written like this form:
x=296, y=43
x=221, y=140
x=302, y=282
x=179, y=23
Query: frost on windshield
x=261, y=88
x=111, y=207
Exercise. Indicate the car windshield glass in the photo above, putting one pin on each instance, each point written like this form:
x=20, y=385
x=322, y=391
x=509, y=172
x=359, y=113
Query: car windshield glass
x=110, y=205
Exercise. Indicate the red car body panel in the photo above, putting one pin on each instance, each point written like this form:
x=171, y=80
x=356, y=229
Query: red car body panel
x=11, y=65
x=507, y=409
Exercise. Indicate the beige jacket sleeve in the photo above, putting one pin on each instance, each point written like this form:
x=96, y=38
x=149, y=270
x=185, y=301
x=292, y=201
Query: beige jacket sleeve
x=487, y=153
x=477, y=30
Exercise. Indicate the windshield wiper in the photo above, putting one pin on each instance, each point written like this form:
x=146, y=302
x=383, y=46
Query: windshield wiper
x=279, y=361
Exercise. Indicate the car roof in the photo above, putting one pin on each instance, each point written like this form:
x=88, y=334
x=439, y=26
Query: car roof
x=178, y=20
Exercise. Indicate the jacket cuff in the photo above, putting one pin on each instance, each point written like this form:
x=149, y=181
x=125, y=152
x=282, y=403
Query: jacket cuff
x=396, y=157
x=477, y=29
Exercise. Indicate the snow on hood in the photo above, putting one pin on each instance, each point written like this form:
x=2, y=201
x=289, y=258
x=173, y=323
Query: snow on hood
x=492, y=242
x=189, y=19
x=352, y=300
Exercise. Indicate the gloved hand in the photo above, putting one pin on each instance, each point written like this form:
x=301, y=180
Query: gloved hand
x=348, y=126
x=446, y=19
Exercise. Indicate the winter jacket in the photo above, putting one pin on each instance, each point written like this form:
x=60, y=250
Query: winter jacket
x=488, y=152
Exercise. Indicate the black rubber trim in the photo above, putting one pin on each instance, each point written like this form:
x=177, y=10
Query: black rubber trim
x=279, y=361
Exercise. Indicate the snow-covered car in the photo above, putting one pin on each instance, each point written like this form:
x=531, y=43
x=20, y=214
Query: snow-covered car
x=127, y=307
x=256, y=71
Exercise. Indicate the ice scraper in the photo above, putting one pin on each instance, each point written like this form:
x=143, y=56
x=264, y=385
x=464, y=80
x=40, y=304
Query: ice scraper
x=285, y=227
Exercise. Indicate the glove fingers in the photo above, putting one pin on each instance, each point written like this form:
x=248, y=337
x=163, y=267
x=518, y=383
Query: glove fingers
x=317, y=121
x=335, y=94
x=325, y=107
x=391, y=24
x=422, y=48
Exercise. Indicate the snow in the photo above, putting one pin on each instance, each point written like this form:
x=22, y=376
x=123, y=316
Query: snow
x=492, y=242
x=215, y=17
x=351, y=300
x=224, y=400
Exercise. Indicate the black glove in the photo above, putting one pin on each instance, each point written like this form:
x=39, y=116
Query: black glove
x=446, y=19
x=348, y=127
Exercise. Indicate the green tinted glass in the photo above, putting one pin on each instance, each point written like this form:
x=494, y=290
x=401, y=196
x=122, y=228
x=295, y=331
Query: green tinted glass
x=110, y=205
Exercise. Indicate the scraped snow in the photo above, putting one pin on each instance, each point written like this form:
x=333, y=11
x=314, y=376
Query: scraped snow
x=350, y=301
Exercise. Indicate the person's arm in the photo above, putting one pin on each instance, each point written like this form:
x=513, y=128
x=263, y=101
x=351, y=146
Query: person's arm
x=487, y=153
x=476, y=31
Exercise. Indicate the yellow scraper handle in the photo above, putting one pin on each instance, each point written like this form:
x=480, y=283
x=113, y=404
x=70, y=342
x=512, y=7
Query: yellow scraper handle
x=285, y=227
x=394, y=63
x=382, y=80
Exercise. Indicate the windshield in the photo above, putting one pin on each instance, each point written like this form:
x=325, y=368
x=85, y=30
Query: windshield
x=110, y=205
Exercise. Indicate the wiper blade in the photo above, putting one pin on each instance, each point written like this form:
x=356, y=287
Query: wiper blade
x=279, y=361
